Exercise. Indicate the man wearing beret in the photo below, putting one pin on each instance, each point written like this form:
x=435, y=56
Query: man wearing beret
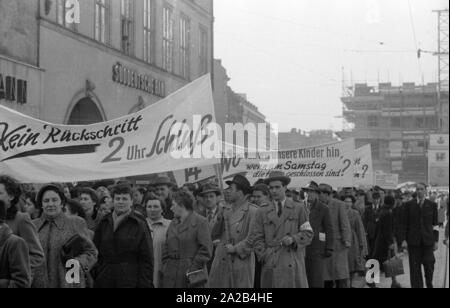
x=336, y=268
x=321, y=247
x=280, y=234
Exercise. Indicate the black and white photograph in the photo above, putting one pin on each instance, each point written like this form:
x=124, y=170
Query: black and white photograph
x=224, y=149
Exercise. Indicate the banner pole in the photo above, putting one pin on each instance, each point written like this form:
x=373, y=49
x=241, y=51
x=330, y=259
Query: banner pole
x=218, y=170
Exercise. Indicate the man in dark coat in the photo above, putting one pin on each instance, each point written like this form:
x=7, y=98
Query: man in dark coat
x=125, y=248
x=211, y=196
x=162, y=186
x=421, y=234
x=322, y=244
x=369, y=219
x=384, y=232
x=336, y=270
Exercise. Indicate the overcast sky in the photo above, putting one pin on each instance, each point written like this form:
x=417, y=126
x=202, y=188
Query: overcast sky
x=288, y=55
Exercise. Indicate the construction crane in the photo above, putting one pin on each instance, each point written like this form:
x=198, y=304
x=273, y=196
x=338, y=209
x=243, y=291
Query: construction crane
x=443, y=60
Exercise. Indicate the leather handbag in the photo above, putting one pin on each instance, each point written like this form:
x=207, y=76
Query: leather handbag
x=74, y=247
x=394, y=267
x=197, y=279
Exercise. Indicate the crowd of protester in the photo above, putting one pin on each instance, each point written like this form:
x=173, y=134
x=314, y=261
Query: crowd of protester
x=242, y=236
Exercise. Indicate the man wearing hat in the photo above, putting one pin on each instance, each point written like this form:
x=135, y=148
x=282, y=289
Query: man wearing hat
x=322, y=244
x=360, y=203
x=211, y=197
x=280, y=234
x=336, y=268
x=234, y=261
x=162, y=187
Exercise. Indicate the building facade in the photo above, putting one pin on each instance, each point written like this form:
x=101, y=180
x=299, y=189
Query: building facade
x=20, y=74
x=297, y=138
x=438, y=160
x=232, y=107
x=122, y=55
x=397, y=122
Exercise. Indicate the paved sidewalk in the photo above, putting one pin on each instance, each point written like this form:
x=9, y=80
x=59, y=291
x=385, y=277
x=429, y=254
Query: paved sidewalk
x=439, y=269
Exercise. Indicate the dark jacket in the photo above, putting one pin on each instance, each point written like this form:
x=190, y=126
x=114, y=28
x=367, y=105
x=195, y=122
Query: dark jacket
x=167, y=212
x=14, y=261
x=384, y=234
x=320, y=220
x=397, y=215
x=125, y=256
x=369, y=219
x=420, y=223
x=22, y=226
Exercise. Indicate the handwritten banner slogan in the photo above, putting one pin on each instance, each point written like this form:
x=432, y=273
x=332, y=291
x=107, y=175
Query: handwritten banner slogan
x=34, y=151
x=331, y=163
x=364, y=175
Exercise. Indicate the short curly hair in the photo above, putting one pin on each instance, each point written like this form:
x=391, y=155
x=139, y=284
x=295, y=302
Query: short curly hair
x=13, y=189
x=89, y=191
x=122, y=189
x=184, y=199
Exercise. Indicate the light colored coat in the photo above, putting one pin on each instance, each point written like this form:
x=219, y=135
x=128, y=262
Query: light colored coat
x=187, y=249
x=159, y=232
x=358, y=250
x=336, y=267
x=52, y=274
x=282, y=267
x=236, y=270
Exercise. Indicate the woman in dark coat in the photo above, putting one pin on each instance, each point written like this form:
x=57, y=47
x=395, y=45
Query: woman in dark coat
x=384, y=231
x=188, y=245
x=385, y=245
x=125, y=246
x=14, y=257
x=20, y=223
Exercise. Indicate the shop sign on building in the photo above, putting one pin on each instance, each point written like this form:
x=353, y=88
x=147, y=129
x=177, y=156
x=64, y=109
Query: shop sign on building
x=12, y=89
x=131, y=78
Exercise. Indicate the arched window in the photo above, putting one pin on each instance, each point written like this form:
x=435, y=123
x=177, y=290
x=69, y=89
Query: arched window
x=85, y=112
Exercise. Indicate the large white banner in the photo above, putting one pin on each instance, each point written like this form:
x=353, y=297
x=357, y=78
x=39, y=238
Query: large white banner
x=364, y=176
x=34, y=151
x=330, y=163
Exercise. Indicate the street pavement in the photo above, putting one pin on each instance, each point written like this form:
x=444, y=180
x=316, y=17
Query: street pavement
x=440, y=270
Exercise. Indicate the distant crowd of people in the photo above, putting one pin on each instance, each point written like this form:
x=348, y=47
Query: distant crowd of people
x=119, y=235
